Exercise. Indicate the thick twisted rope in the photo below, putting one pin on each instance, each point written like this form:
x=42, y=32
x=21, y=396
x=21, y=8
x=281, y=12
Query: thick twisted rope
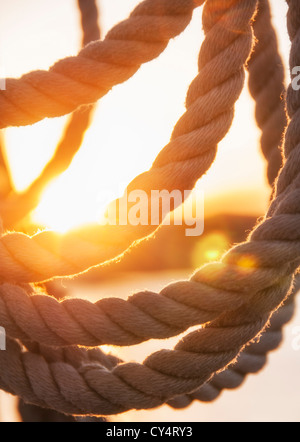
x=191, y=151
x=285, y=200
x=113, y=321
x=254, y=358
x=89, y=21
x=84, y=390
x=265, y=59
x=81, y=80
x=251, y=361
x=18, y=206
x=199, y=354
x=27, y=201
x=266, y=84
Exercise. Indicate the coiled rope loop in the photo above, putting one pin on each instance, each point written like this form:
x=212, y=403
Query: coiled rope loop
x=76, y=81
x=190, y=153
x=258, y=275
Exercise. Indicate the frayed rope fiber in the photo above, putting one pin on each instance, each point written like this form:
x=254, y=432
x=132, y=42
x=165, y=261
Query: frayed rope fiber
x=81, y=80
x=235, y=298
x=190, y=153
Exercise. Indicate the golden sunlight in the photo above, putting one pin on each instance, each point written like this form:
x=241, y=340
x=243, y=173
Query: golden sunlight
x=88, y=282
x=129, y=128
x=60, y=210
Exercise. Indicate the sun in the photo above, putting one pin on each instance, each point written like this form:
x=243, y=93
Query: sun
x=62, y=208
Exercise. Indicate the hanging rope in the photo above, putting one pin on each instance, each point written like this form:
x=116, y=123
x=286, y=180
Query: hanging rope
x=265, y=59
x=250, y=361
x=266, y=84
x=81, y=80
x=190, y=153
x=246, y=272
x=254, y=357
x=89, y=21
x=17, y=206
x=27, y=201
x=145, y=315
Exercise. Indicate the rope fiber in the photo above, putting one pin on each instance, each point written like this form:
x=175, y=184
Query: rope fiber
x=82, y=80
x=235, y=300
x=190, y=153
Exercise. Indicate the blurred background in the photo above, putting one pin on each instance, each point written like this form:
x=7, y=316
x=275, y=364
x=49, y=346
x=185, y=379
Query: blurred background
x=36, y=33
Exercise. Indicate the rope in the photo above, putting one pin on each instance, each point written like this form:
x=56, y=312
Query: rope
x=81, y=80
x=145, y=315
x=252, y=360
x=17, y=206
x=243, y=271
x=266, y=84
x=264, y=59
x=70, y=142
x=254, y=357
x=89, y=21
x=190, y=153
x=27, y=201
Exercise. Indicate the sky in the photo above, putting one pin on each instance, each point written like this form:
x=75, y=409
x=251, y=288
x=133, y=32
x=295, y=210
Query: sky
x=131, y=124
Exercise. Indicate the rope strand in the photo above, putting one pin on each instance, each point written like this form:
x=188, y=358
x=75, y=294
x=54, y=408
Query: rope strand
x=82, y=80
x=190, y=153
x=18, y=206
x=266, y=84
x=148, y=315
x=258, y=272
